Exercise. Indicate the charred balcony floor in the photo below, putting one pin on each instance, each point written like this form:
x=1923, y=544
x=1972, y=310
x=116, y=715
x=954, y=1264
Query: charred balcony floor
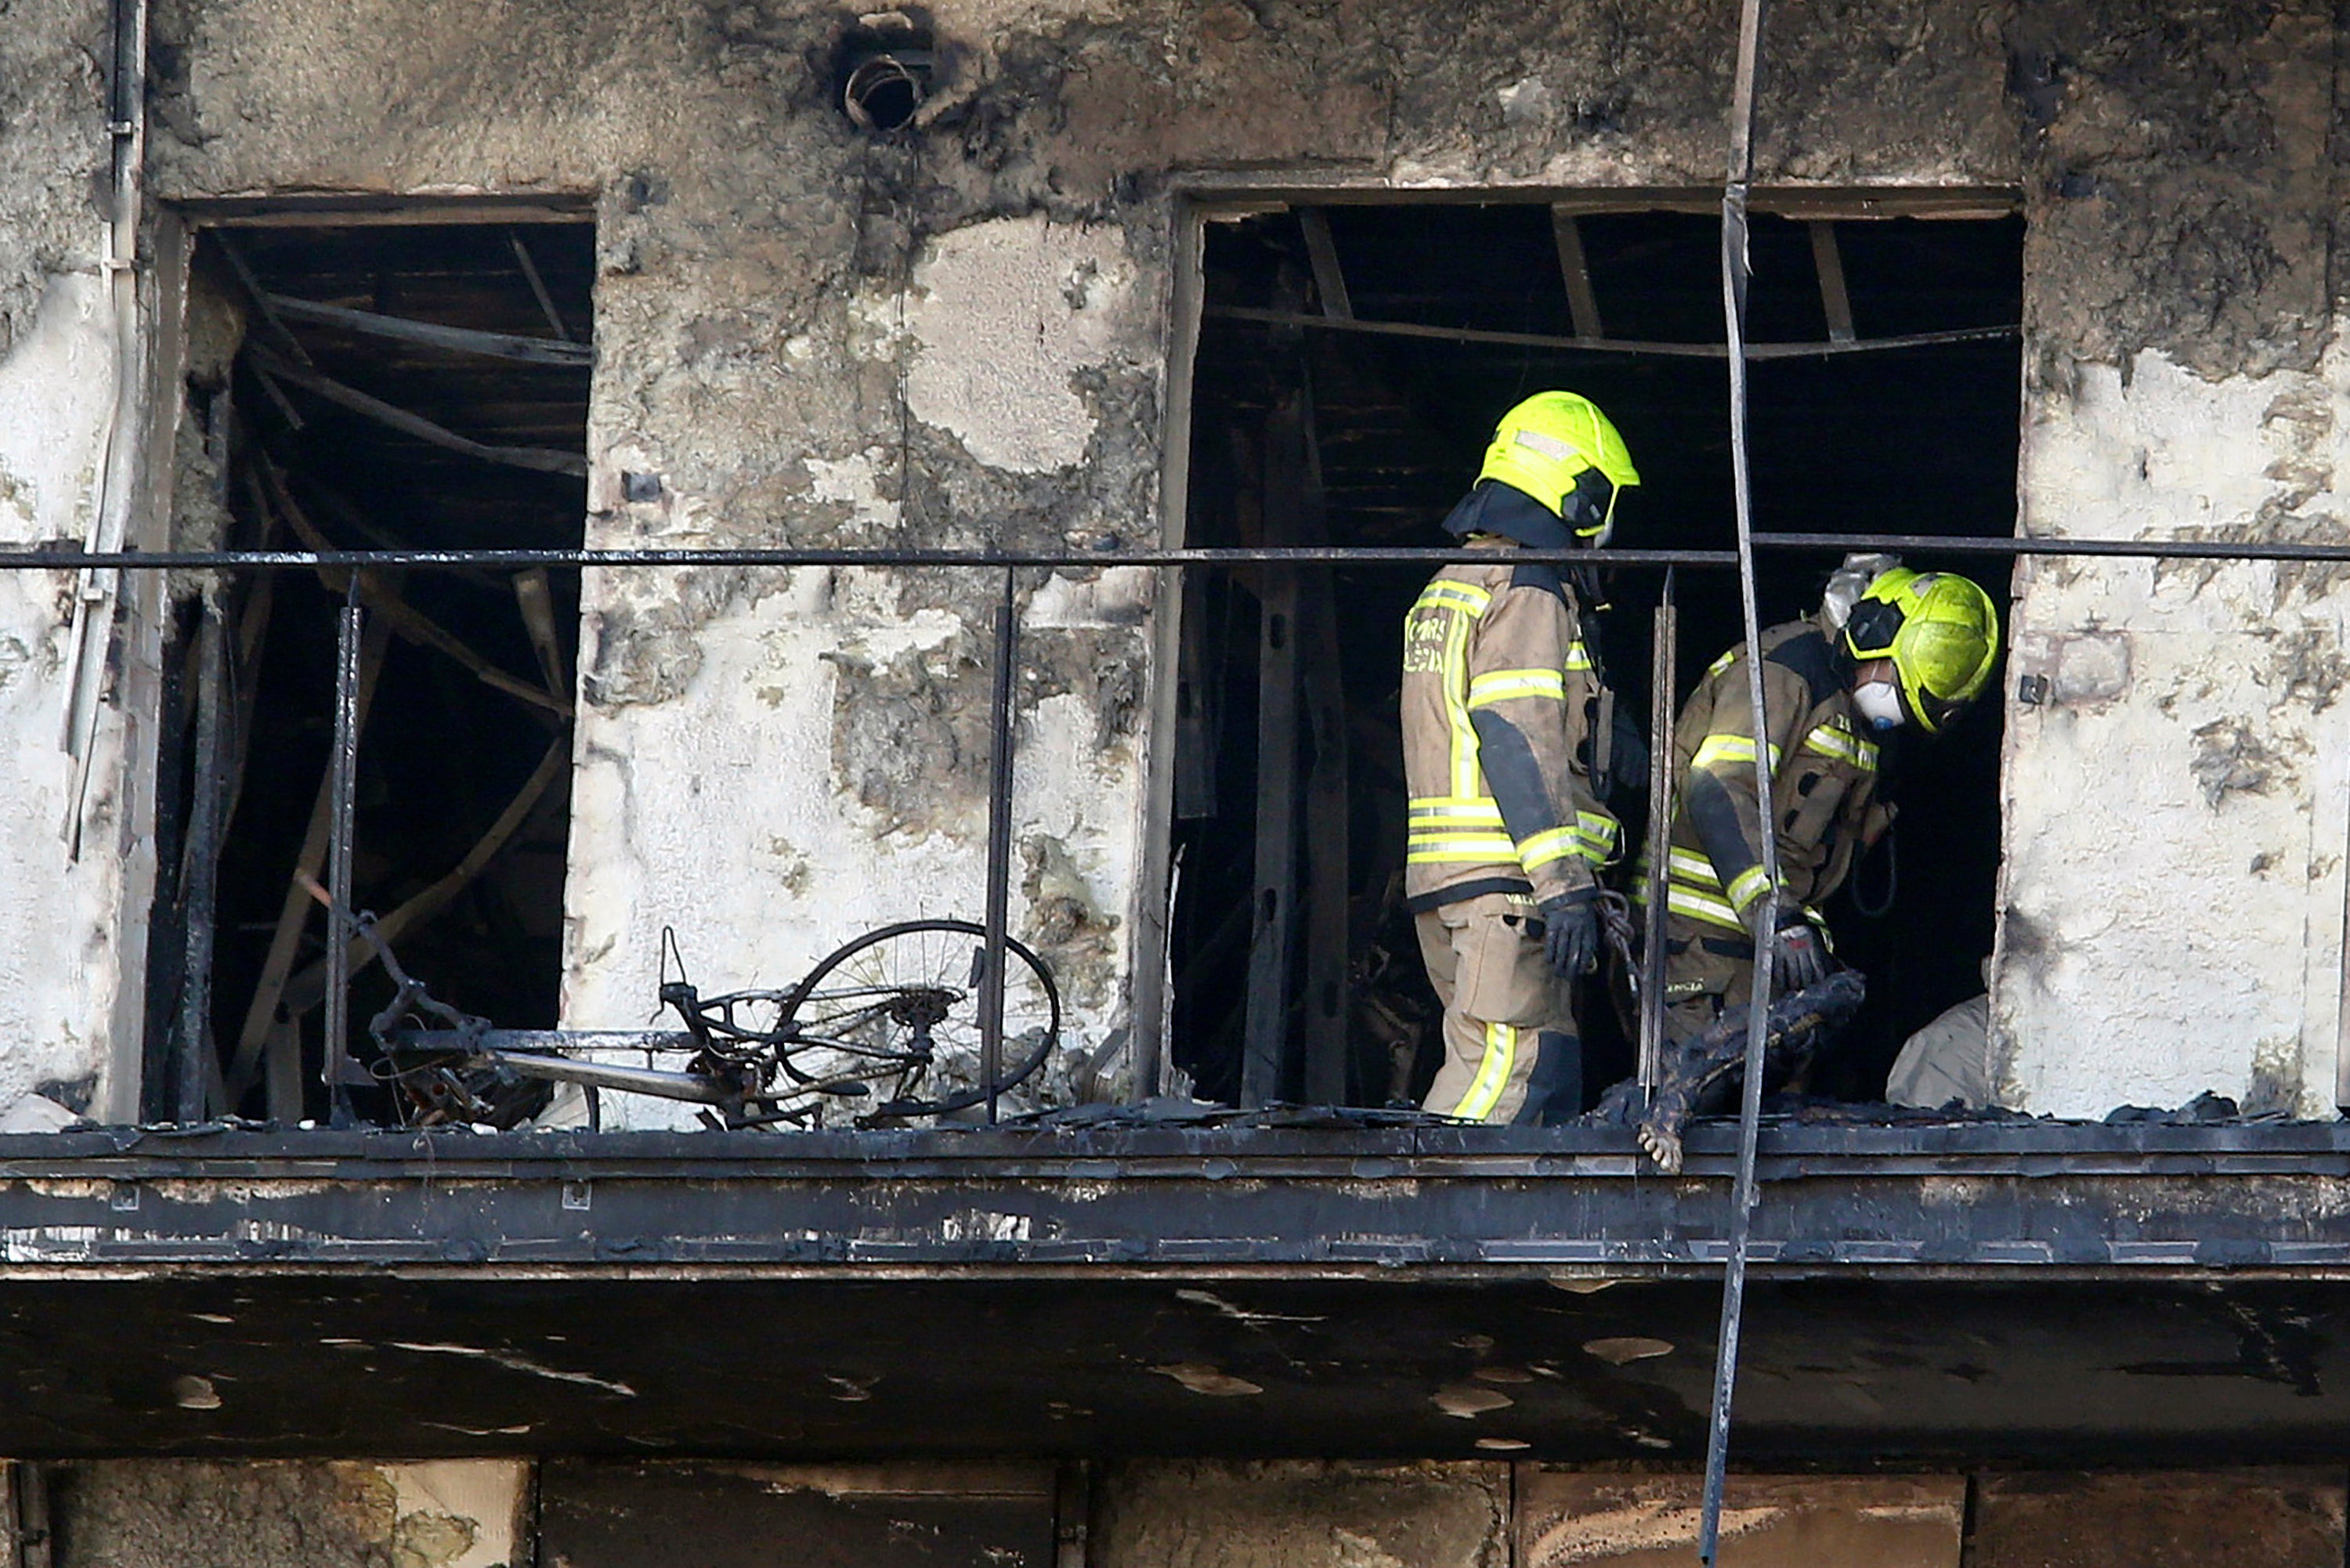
x=2031, y=1291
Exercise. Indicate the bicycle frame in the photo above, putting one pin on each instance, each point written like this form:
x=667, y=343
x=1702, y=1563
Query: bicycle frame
x=744, y=1074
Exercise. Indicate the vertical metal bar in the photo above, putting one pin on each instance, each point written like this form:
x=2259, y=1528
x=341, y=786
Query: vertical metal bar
x=1758, y=1014
x=998, y=847
x=198, y=892
x=345, y=774
x=1662, y=683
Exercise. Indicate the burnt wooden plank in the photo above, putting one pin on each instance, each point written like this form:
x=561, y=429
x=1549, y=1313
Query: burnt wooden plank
x=1835, y=300
x=1272, y=955
x=1582, y=302
x=1325, y=910
x=1329, y=279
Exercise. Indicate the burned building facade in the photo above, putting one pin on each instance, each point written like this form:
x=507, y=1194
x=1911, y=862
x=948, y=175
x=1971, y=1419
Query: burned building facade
x=695, y=404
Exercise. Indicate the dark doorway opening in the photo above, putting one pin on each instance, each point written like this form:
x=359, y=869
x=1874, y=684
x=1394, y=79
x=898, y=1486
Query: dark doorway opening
x=393, y=385
x=1306, y=435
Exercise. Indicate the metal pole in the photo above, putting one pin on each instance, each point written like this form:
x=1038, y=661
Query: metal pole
x=1420, y=558
x=999, y=848
x=1758, y=1013
x=1661, y=683
x=345, y=774
x=197, y=898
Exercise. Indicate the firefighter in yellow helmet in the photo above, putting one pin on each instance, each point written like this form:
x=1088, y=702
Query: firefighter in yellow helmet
x=1507, y=825
x=1890, y=648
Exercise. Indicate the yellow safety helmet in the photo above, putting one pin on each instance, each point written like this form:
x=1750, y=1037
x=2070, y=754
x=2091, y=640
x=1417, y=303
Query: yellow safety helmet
x=1939, y=630
x=1558, y=448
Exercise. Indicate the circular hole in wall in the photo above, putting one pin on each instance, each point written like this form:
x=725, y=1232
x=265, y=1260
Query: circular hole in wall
x=882, y=90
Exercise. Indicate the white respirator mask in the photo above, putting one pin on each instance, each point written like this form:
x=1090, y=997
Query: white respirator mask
x=1879, y=703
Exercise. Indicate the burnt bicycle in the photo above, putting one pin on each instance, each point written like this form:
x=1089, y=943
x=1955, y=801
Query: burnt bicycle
x=885, y=1030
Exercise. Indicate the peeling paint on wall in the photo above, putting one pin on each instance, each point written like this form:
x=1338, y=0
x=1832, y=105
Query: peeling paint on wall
x=1003, y=315
x=2170, y=928
x=58, y=932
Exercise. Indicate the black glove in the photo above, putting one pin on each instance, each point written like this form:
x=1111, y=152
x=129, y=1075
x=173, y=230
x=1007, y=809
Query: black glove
x=1571, y=932
x=1799, y=954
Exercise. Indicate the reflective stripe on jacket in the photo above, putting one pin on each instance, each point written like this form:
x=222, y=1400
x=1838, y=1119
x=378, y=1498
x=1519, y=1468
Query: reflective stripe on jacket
x=1502, y=641
x=1823, y=773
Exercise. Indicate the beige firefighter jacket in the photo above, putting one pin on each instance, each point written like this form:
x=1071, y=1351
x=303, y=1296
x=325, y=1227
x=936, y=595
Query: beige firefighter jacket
x=1823, y=782
x=1500, y=642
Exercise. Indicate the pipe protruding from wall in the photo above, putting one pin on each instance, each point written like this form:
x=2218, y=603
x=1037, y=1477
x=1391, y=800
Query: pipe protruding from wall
x=885, y=69
x=883, y=89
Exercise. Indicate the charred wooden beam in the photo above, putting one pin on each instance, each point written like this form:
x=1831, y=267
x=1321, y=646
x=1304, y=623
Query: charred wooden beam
x=261, y=1015
x=534, y=597
x=544, y=460
x=207, y=823
x=259, y=297
x=459, y=339
x=1329, y=280
x=1272, y=954
x=1828, y=259
x=537, y=285
x=1328, y=875
x=1610, y=345
x=309, y=986
x=1196, y=731
x=412, y=625
x=1582, y=303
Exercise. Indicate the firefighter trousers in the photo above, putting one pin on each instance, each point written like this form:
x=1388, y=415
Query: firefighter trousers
x=1512, y=1050
x=1708, y=970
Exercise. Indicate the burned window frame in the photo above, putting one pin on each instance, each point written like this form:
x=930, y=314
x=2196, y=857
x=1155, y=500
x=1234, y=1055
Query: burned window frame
x=1207, y=198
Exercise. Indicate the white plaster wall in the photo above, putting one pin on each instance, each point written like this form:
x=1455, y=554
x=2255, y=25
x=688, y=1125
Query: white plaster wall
x=718, y=813
x=68, y=928
x=2176, y=809
x=716, y=807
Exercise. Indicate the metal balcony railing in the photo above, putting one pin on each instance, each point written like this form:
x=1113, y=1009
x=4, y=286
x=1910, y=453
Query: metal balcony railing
x=1009, y=567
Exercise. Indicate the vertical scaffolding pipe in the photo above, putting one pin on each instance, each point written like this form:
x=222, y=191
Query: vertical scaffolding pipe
x=341, y=811
x=1661, y=683
x=198, y=893
x=1758, y=1014
x=98, y=589
x=998, y=847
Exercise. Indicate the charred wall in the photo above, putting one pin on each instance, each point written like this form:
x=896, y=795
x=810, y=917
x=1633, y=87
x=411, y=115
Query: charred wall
x=76, y=791
x=2177, y=926
x=959, y=335
x=954, y=336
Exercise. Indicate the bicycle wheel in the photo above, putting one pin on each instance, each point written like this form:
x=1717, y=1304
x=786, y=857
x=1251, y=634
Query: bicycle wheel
x=898, y=1010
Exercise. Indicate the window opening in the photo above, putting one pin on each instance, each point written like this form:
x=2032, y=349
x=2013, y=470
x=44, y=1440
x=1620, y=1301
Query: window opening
x=382, y=385
x=1308, y=436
